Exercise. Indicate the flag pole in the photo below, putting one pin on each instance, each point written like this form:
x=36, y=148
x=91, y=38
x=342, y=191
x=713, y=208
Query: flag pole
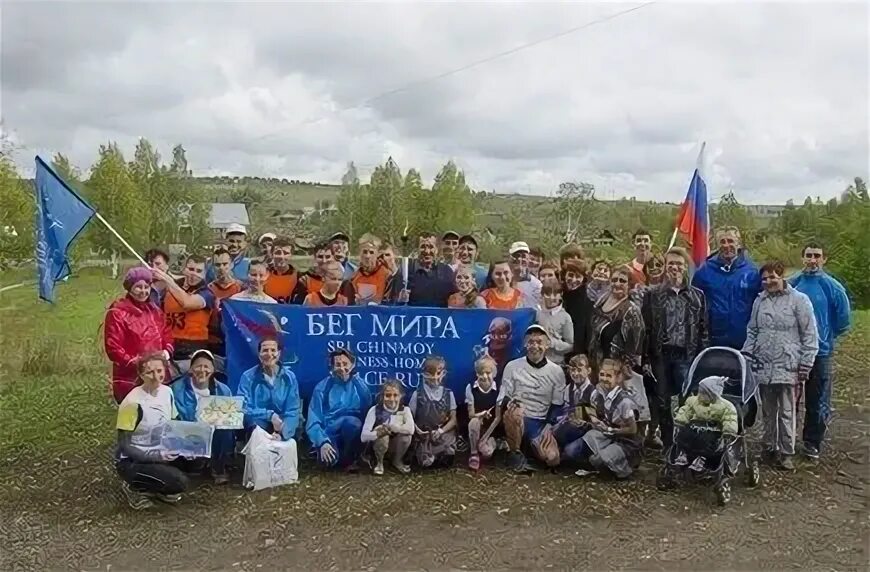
x=673, y=237
x=99, y=217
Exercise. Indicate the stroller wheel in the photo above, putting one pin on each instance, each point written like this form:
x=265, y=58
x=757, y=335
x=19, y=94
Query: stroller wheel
x=753, y=474
x=723, y=493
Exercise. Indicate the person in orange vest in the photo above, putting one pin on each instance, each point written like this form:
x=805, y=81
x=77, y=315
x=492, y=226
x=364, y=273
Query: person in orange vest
x=330, y=292
x=313, y=277
x=283, y=283
x=224, y=286
x=642, y=252
x=502, y=295
x=187, y=307
x=371, y=279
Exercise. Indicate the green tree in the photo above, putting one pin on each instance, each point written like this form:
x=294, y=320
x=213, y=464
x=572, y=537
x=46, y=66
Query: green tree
x=451, y=200
x=351, y=204
x=384, y=202
x=17, y=213
x=115, y=195
x=575, y=212
x=729, y=212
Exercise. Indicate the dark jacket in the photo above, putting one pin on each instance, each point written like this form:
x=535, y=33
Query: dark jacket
x=579, y=307
x=697, y=336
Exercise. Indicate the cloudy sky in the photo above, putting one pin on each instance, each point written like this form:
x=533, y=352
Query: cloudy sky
x=778, y=90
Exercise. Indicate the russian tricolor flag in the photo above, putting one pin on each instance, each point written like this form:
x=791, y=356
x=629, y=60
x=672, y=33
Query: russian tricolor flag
x=693, y=222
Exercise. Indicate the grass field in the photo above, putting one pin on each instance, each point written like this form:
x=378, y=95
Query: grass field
x=62, y=507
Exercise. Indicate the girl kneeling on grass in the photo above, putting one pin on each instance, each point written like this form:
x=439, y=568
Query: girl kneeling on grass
x=613, y=443
x=484, y=417
x=434, y=409
x=144, y=467
x=390, y=426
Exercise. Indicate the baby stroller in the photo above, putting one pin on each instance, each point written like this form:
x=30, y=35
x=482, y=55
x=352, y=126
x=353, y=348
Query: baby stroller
x=723, y=455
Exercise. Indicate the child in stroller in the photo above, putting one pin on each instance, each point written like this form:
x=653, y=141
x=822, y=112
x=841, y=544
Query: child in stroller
x=705, y=424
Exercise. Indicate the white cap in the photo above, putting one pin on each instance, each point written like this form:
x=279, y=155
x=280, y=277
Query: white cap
x=537, y=329
x=518, y=247
x=266, y=235
x=236, y=228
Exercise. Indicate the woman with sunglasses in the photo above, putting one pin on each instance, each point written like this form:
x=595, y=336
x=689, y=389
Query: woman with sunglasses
x=617, y=325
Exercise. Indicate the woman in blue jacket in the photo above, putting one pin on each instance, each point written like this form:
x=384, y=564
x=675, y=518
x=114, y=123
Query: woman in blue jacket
x=336, y=412
x=271, y=394
x=730, y=282
x=187, y=390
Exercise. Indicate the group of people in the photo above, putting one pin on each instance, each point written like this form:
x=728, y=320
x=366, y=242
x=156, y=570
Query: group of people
x=601, y=380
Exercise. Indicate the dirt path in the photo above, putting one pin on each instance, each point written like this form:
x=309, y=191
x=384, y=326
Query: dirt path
x=68, y=513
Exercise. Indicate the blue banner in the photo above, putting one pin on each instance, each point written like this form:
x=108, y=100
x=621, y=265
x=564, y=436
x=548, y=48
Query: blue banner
x=388, y=341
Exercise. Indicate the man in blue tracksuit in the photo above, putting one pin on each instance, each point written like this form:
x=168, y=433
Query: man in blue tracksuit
x=833, y=318
x=730, y=282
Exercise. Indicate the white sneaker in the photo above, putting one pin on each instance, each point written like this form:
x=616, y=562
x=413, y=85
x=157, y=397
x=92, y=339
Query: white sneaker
x=682, y=460
x=379, y=469
x=584, y=473
x=698, y=464
x=402, y=467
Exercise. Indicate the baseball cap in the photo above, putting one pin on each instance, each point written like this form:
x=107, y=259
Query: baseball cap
x=266, y=235
x=236, y=228
x=339, y=236
x=202, y=353
x=450, y=234
x=518, y=247
x=536, y=329
x=466, y=238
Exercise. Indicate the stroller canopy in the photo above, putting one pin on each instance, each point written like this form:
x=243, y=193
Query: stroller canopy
x=725, y=362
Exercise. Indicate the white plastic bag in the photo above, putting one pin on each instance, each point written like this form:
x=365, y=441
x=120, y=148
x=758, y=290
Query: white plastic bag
x=268, y=462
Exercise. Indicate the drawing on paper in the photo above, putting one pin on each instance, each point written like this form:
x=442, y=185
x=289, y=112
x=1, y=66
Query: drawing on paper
x=221, y=412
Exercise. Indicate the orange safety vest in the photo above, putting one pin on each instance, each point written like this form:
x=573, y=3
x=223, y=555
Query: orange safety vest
x=281, y=286
x=186, y=324
x=220, y=293
x=370, y=287
x=313, y=283
x=316, y=300
x=496, y=302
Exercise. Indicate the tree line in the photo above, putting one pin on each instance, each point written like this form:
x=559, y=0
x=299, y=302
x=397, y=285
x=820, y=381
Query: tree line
x=155, y=202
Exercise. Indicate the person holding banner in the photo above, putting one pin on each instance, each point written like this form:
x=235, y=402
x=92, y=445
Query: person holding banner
x=237, y=243
x=187, y=391
x=466, y=295
x=134, y=327
x=335, y=414
x=271, y=394
x=340, y=245
x=312, y=279
x=330, y=291
x=530, y=398
x=258, y=275
x=395, y=283
x=502, y=295
x=222, y=287
x=283, y=283
x=371, y=279
x=145, y=468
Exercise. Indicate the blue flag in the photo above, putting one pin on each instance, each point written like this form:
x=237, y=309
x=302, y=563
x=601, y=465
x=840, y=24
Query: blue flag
x=60, y=216
x=388, y=341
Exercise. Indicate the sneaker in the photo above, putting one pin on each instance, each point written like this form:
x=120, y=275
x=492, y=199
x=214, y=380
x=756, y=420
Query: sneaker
x=682, y=460
x=698, y=465
x=653, y=443
x=516, y=461
x=168, y=499
x=502, y=445
x=379, y=469
x=474, y=462
x=584, y=473
x=461, y=444
x=811, y=453
x=786, y=462
x=401, y=467
x=137, y=500
x=427, y=460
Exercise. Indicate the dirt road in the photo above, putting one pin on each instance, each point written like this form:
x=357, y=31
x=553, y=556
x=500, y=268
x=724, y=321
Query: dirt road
x=67, y=512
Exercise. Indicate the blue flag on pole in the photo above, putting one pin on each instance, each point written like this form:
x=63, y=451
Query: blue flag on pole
x=388, y=341
x=60, y=216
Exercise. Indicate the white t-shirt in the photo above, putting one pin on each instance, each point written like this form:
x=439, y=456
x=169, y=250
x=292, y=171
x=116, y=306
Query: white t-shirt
x=536, y=388
x=156, y=411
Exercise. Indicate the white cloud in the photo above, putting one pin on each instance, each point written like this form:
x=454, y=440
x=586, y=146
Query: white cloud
x=779, y=91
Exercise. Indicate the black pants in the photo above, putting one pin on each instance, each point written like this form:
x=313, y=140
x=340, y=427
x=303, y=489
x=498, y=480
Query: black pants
x=159, y=478
x=671, y=369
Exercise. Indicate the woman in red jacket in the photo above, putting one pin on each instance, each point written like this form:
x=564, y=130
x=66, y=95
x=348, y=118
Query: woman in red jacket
x=134, y=327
